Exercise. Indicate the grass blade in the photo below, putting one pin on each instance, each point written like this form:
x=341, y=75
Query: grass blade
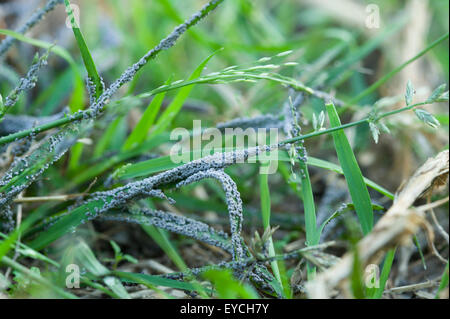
x=36, y=277
x=151, y=281
x=85, y=53
x=352, y=173
x=265, y=214
x=174, y=108
x=139, y=133
x=77, y=99
x=87, y=258
x=160, y=237
x=444, y=282
x=387, y=265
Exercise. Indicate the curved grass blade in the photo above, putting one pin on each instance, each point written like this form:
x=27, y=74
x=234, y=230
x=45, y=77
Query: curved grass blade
x=344, y=209
x=60, y=51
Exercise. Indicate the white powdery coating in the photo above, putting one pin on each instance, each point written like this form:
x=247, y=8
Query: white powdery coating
x=177, y=224
x=8, y=220
x=117, y=198
x=234, y=204
x=27, y=82
x=37, y=16
x=264, y=121
x=289, y=119
x=53, y=148
x=121, y=196
x=292, y=128
x=92, y=90
x=16, y=123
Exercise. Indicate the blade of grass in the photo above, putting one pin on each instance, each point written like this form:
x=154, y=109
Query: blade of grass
x=352, y=172
x=87, y=258
x=36, y=277
x=152, y=281
x=444, y=282
x=228, y=287
x=77, y=99
x=160, y=237
x=60, y=51
x=356, y=278
x=106, y=138
x=387, y=265
x=8, y=243
x=265, y=214
x=139, y=133
x=309, y=208
x=85, y=53
x=174, y=108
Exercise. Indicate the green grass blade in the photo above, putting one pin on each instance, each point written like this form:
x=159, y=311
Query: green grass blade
x=36, y=277
x=336, y=168
x=152, y=281
x=87, y=259
x=65, y=224
x=139, y=133
x=106, y=138
x=309, y=208
x=356, y=277
x=444, y=282
x=352, y=172
x=265, y=214
x=8, y=243
x=92, y=171
x=378, y=83
x=85, y=53
x=228, y=287
x=175, y=106
x=387, y=265
x=160, y=237
x=312, y=237
x=60, y=51
x=26, y=251
x=77, y=99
